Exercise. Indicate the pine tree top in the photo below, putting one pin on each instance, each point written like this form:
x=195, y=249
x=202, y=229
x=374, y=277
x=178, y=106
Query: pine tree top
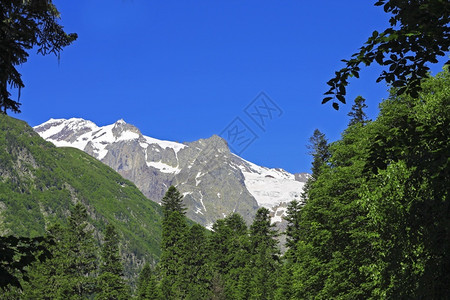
x=173, y=201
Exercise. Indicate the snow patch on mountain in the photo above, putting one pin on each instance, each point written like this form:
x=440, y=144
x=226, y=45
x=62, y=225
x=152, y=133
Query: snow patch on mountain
x=86, y=132
x=165, y=144
x=165, y=168
x=270, y=187
x=201, y=201
x=278, y=214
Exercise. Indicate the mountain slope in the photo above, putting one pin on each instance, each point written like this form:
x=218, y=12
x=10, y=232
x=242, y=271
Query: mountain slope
x=214, y=181
x=39, y=183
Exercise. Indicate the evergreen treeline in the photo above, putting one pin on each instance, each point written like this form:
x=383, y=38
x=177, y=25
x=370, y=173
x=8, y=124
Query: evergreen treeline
x=231, y=262
x=374, y=224
x=77, y=268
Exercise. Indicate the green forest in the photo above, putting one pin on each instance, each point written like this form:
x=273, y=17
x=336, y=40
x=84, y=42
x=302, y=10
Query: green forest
x=373, y=221
x=375, y=225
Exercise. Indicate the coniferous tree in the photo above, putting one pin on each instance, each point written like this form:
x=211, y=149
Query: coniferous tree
x=319, y=147
x=70, y=272
x=143, y=278
x=284, y=279
x=264, y=256
x=47, y=279
x=245, y=284
x=293, y=215
x=196, y=274
x=174, y=229
x=173, y=201
x=147, y=287
x=82, y=253
x=230, y=254
x=26, y=24
x=357, y=114
x=333, y=244
x=319, y=150
x=110, y=284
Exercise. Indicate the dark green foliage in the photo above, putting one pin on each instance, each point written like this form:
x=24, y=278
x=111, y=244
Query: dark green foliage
x=284, y=282
x=110, y=284
x=264, y=256
x=293, y=216
x=147, y=288
x=80, y=248
x=174, y=230
x=26, y=24
x=18, y=253
x=70, y=272
x=285, y=275
x=49, y=279
x=195, y=272
x=357, y=114
x=172, y=201
x=39, y=182
x=110, y=252
x=184, y=266
x=407, y=196
x=230, y=254
x=419, y=33
x=376, y=222
x=333, y=243
x=318, y=145
x=319, y=150
x=112, y=287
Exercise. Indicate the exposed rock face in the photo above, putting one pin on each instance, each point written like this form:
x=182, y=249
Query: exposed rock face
x=302, y=177
x=213, y=181
x=212, y=185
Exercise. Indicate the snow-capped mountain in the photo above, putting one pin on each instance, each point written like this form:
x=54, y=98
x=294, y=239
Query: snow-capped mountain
x=214, y=181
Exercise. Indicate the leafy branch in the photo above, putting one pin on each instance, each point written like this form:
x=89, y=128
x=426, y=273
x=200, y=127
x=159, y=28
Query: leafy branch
x=418, y=35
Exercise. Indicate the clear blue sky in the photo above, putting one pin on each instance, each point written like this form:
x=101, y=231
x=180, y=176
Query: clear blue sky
x=184, y=70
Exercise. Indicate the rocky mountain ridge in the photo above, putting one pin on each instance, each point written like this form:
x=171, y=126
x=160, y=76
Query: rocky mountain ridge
x=213, y=181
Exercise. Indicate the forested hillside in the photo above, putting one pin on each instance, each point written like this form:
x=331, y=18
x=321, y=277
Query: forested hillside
x=40, y=183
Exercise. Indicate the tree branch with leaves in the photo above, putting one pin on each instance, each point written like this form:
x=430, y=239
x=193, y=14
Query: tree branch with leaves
x=419, y=33
x=26, y=24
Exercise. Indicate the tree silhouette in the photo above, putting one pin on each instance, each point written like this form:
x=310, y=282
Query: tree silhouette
x=26, y=24
x=357, y=114
x=418, y=34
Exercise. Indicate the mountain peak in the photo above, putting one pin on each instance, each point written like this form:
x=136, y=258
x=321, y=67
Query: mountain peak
x=214, y=143
x=217, y=181
x=123, y=130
